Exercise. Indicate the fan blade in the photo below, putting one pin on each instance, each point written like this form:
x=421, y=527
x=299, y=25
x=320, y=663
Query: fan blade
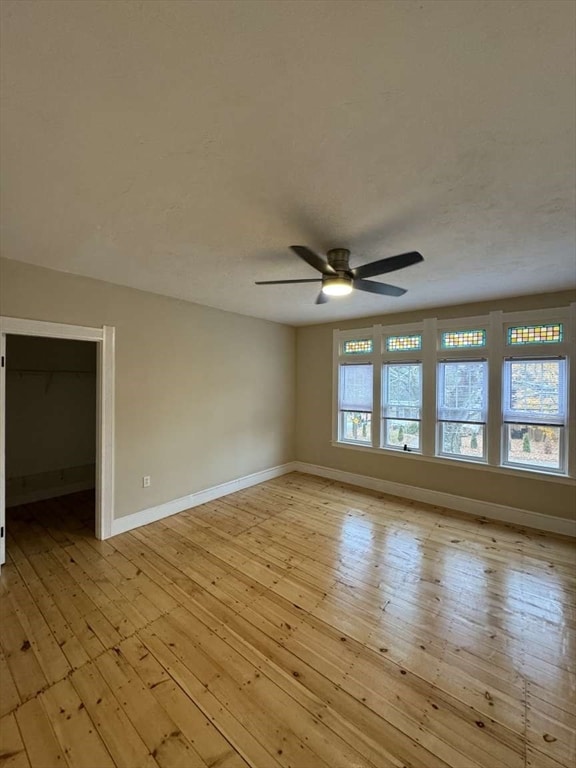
x=391, y=264
x=313, y=259
x=321, y=298
x=382, y=288
x=284, y=282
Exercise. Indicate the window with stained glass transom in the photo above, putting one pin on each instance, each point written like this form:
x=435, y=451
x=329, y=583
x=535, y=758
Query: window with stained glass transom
x=463, y=339
x=536, y=334
x=404, y=343
x=491, y=389
x=358, y=347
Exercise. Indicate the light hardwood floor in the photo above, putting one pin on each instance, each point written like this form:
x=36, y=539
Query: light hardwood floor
x=299, y=623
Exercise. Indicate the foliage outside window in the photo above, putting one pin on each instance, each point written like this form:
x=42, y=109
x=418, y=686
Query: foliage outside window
x=355, y=403
x=462, y=400
x=401, y=405
x=534, y=412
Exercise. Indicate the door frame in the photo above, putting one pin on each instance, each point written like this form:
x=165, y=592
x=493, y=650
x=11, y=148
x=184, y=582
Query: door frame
x=104, y=338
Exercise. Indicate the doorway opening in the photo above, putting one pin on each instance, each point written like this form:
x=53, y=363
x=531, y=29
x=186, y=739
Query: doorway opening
x=57, y=438
x=50, y=435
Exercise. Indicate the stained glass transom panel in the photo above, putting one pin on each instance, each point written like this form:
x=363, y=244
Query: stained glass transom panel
x=404, y=343
x=536, y=334
x=463, y=339
x=358, y=347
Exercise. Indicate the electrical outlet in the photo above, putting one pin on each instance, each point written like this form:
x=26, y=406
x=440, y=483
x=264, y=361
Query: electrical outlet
x=146, y=481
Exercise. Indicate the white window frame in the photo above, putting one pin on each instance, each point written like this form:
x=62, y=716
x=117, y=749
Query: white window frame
x=440, y=422
x=344, y=411
x=384, y=417
x=537, y=352
x=357, y=358
x=496, y=351
x=462, y=354
x=398, y=357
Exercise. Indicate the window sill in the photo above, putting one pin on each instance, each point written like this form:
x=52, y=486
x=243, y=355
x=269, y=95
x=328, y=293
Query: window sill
x=473, y=464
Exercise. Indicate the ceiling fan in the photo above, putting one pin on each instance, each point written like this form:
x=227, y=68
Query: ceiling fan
x=338, y=279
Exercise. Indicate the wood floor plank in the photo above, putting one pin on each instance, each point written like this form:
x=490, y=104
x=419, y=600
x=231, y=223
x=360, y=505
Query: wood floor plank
x=67, y=640
x=265, y=687
x=69, y=601
x=176, y=708
x=38, y=736
x=50, y=657
x=395, y=744
x=75, y=731
x=19, y=653
x=227, y=679
x=12, y=751
x=9, y=696
x=230, y=725
x=116, y=731
x=301, y=623
x=162, y=736
x=550, y=729
x=291, y=681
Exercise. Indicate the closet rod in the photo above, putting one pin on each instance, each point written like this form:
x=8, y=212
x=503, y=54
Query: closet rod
x=40, y=370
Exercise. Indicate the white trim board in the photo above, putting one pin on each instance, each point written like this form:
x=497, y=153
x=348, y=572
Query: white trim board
x=153, y=514
x=24, y=327
x=104, y=338
x=485, y=509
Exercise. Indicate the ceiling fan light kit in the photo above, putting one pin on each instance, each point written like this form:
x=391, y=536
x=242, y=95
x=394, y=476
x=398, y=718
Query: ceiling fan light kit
x=336, y=286
x=338, y=279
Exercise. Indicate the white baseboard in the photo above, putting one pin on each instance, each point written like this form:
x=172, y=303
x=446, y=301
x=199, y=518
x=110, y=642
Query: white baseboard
x=483, y=509
x=486, y=509
x=152, y=514
x=38, y=494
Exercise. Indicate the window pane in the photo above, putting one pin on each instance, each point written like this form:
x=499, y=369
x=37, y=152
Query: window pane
x=463, y=339
x=402, y=412
x=402, y=390
x=533, y=445
x=399, y=433
x=356, y=387
x=462, y=440
x=462, y=391
x=534, y=390
x=357, y=347
x=536, y=334
x=357, y=426
x=404, y=343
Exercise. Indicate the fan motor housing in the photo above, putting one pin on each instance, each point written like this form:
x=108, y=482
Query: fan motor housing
x=338, y=258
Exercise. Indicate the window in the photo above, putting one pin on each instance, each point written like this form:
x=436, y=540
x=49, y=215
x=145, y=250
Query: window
x=535, y=334
x=534, y=412
x=355, y=403
x=357, y=347
x=462, y=399
x=492, y=390
x=401, y=405
x=404, y=343
x=463, y=339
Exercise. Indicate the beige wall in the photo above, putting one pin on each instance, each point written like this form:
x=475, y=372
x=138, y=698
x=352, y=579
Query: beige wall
x=202, y=396
x=314, y=423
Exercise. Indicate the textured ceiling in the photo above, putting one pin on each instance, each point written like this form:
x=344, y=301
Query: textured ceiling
x=181, y=147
